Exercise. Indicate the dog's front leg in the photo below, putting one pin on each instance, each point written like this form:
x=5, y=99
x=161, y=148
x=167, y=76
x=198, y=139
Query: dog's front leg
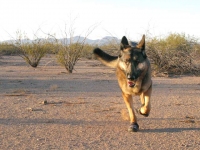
x=145, y=100
x=134, y=127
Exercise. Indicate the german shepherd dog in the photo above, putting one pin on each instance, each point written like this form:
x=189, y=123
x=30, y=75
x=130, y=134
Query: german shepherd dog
x=134, y=76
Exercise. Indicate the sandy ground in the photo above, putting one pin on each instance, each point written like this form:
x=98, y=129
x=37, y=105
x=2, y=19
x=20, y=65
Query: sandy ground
x=85, y=109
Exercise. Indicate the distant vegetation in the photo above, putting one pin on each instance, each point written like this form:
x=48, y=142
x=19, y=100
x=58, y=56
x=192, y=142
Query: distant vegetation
x=173, y=54
x=8, y=49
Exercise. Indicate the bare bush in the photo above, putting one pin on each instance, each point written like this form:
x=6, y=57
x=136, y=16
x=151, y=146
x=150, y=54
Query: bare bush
x=71, y=47
x=31, y=50
x=69, y=54
x=173, y=54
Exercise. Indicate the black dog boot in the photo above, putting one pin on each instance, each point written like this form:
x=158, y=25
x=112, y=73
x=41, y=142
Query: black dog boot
x=134, y=127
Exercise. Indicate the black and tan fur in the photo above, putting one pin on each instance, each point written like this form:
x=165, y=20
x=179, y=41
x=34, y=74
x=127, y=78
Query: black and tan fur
x=134, y=76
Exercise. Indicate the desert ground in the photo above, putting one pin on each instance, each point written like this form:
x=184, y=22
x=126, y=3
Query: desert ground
x=45, y=108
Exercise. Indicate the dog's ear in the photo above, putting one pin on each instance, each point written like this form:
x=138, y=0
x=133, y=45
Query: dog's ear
x=124, y=43
x=141, y=45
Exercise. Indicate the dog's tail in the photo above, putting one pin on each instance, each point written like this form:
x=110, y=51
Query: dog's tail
x=106, y=59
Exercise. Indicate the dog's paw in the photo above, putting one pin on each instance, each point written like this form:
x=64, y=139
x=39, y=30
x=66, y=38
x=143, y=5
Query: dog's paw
x=139, y=112
x=143, y=111
x=134, y=127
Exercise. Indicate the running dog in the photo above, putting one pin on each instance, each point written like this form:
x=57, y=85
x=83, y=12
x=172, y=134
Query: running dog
x=133, y=72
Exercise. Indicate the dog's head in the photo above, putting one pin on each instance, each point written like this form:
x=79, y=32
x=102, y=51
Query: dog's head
x=132, y=59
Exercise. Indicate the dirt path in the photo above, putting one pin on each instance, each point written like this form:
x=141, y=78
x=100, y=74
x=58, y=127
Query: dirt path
x=85, y=110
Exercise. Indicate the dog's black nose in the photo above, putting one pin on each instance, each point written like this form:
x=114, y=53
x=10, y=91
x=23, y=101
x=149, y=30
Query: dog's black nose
x=130, y=77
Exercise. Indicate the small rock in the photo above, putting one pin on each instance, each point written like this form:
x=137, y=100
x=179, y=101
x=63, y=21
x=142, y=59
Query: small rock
x=30, y=109
x=44, y=102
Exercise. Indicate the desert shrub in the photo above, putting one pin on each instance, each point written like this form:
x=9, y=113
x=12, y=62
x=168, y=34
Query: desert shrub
x=69, y=54
x=8, y=49
x=70, y=48
x=31, y=50
x=173, y=54
x=87, y=51
x=196, y=54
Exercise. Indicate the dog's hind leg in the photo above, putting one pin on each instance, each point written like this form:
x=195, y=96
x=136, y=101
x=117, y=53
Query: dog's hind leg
x=146, y=104
x=134, y=127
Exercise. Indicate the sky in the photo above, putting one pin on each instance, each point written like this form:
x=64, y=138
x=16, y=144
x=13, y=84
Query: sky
x=132, y=18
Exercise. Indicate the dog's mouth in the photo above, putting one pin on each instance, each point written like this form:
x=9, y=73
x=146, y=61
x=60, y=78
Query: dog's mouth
x=130, y=83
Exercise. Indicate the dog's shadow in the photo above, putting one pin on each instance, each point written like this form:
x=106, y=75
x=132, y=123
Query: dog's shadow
x=23, y=121
x=168, y=130
x=187, y=120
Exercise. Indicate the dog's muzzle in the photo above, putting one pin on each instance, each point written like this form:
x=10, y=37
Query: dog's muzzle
x=130, y=83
